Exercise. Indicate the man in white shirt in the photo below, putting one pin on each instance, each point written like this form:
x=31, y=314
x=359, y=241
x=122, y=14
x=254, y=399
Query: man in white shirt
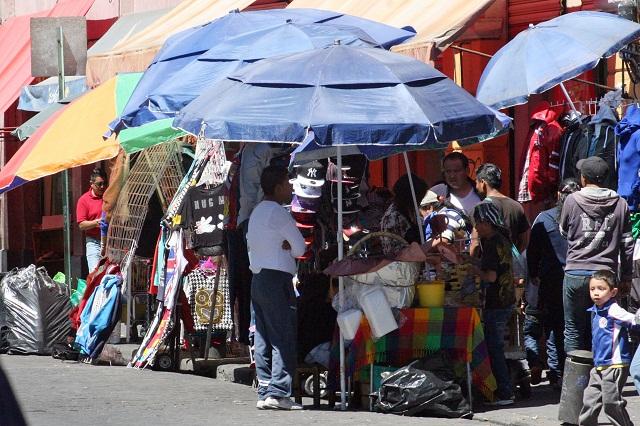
x=459, y=188
x=274, y=242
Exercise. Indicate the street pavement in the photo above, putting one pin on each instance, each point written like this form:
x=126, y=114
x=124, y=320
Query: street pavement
x=52, y=392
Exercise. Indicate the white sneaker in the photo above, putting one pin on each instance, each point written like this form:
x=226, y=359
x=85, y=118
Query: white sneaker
x=281, y=404
x=260, y=404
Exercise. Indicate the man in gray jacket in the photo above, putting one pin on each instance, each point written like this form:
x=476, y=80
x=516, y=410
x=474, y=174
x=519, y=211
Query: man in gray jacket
x=595, y=222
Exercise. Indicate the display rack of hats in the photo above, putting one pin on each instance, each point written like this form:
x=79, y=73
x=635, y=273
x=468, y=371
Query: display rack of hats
x=353, y=171
x=307, y=190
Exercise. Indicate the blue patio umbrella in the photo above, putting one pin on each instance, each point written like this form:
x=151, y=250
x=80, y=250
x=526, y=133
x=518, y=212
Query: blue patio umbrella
x=309, y=150
x=346, y=96
x=185, y=46
x=547, y=54
x=188, y=45
x=234, y=53
x=341, y=96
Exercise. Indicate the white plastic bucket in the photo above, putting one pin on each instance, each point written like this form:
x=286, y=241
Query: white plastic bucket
x=349, y=322
x=378, y=311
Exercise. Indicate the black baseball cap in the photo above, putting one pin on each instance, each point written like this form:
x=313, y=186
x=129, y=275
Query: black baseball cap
x=593, y=168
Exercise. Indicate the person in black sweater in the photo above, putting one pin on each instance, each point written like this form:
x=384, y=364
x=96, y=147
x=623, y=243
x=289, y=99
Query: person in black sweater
x=546, y=257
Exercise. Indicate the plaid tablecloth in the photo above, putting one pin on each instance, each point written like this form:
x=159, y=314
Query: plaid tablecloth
x=424, y=331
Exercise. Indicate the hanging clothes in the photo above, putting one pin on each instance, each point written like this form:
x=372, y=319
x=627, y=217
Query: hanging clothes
x=587, y=136
x=574, y=124
x=628, y=131
x=199, y=288
x=542, y=160
x=603, y=142
x=99, y=316
x=203, y=214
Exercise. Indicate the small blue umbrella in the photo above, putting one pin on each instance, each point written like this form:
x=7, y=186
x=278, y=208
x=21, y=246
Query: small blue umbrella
x=550, y=53
x=346, y=96
x=236, y=52
x=185, y=47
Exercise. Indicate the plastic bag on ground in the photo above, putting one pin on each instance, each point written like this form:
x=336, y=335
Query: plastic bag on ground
x=37, y=311
x=411, y=391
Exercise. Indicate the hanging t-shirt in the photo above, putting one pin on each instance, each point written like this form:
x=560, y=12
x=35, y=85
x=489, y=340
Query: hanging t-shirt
x=203, y=213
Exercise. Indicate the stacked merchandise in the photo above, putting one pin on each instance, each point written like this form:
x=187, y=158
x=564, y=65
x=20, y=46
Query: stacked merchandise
x=307, y=190
x=353, y=171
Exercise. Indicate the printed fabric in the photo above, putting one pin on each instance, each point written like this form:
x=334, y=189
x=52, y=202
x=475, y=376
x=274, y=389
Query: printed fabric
x=497, y=256
x=202, y=213
x=396, y=223
x=199, y=288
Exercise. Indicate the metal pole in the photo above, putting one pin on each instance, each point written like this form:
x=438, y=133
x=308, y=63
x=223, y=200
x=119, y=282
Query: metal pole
x=343, y=395
x=413, y=195
x=566, y=95
x=65, y=173
x=213, y=298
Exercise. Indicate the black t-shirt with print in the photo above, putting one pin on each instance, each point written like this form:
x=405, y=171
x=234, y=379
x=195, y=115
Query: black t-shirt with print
x=496, y=256
x=512, y=214
x=203, y=213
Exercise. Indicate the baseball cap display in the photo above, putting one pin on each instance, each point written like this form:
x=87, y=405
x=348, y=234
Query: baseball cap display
x=593, y=168
x=350, y=191
x=304, y=190
x=349, y=205
x=333, y=173
x=311, y=204
x=311, y=174
x=297, y=207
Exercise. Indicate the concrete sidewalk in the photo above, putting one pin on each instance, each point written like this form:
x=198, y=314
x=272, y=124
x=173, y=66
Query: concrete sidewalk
x=52, y=392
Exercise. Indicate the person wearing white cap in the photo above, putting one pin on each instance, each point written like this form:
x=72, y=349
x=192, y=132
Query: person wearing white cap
x=453, y=226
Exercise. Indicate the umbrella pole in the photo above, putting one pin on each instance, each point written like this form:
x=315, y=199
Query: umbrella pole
x=66, y=210
x=566, y=95
x=343, y=395
x=413, y=195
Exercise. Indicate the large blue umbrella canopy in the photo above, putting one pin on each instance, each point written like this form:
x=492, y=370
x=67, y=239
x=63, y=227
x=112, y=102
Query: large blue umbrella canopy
x=346, y=96
x=310, y=149
x=234, y=53
x=549, y=53
x=185, y=46
x=188, y=45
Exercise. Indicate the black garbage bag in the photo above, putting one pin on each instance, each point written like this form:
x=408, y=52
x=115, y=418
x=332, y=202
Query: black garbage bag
x=411, y=391
x=36, y=311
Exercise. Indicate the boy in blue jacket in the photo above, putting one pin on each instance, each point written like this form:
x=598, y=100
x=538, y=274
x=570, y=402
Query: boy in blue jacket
x=611, y=353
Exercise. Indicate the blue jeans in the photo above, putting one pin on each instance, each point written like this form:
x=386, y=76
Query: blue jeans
x=274, y=303
x=495, y=326
x=550, y=323
x=92, y=246
x=577, y=321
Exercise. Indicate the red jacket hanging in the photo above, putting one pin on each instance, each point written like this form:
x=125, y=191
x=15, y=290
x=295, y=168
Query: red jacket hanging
x=540, y=177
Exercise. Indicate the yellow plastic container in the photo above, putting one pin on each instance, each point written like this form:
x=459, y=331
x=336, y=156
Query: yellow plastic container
x=431, y=294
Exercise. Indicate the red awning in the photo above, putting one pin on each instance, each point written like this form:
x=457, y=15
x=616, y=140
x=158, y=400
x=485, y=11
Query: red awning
x=15, y=45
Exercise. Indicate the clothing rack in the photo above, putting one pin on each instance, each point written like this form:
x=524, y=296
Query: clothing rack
x=590, y=106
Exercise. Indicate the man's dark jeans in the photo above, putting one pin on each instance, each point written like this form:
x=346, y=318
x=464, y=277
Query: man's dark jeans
x=577, y=321
x=274, y=303
x=548, y=322
x=495, y=327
